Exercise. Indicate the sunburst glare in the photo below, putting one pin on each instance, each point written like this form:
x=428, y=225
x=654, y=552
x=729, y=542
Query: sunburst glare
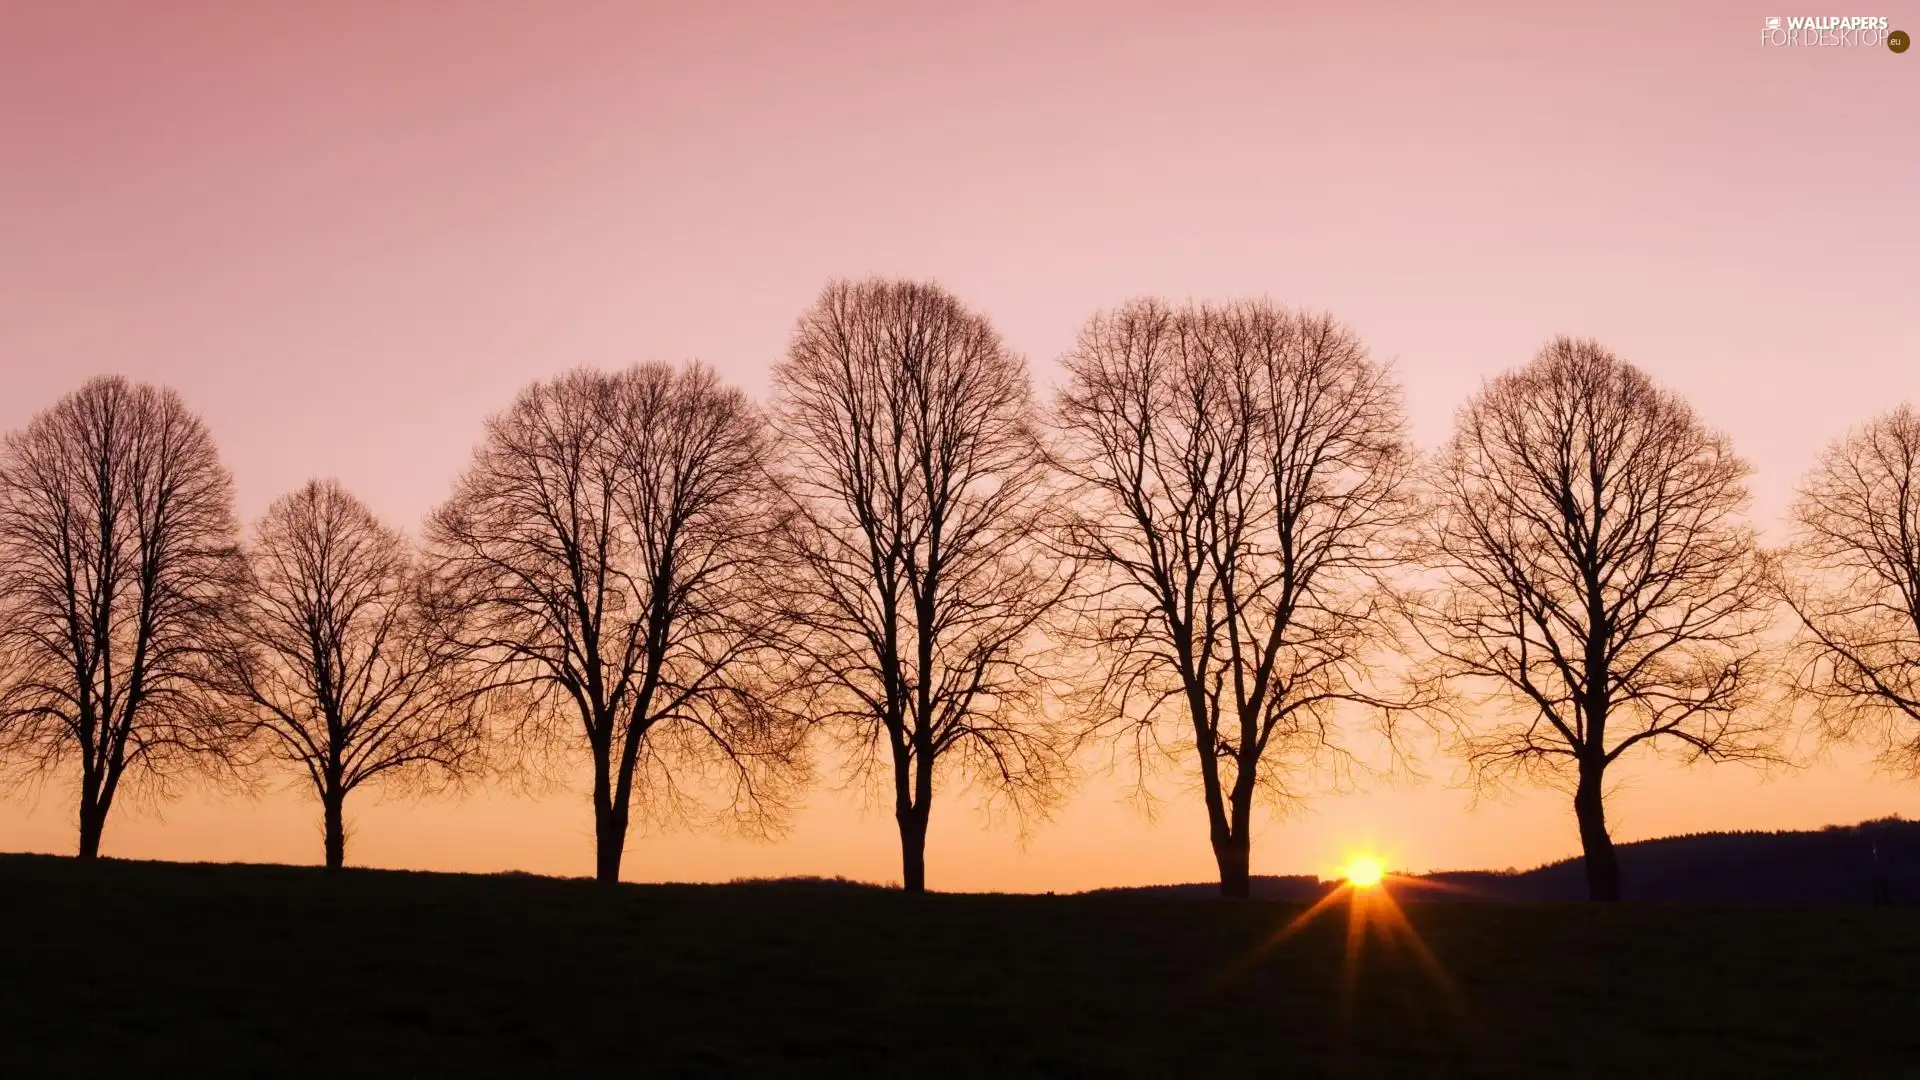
x=1363, y=871
x=1367, y=890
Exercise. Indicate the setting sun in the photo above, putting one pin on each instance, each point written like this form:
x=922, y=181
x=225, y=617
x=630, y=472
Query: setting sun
x=1363, y=871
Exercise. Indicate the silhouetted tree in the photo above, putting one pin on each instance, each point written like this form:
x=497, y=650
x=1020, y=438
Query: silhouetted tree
x=117, y=561
x=336, y=656
x=1596, y=577
x=1241, y=469
x=915, y=481
x=1854, y=582
x=605, y=557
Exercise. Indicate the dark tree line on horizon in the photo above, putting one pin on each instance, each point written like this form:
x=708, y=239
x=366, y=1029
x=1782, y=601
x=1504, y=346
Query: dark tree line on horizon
x=1212, y=553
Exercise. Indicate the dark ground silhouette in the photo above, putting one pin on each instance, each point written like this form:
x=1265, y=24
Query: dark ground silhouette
x=115, y=968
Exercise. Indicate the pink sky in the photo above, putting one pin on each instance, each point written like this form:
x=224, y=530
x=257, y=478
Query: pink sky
x=348, y=231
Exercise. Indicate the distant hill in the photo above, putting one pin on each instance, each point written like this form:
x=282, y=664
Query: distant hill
x=1834, y=865
x=1292, y=887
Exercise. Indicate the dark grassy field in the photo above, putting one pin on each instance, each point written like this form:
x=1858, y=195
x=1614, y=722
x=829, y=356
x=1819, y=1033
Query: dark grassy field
x=126, y=969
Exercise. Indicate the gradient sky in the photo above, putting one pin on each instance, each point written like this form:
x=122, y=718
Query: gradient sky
x=348, y=231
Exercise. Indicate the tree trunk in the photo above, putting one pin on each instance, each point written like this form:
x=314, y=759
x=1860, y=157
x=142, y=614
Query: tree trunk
x=93, y=822
x=913, y=806
x=609, y=845
x=609, y=842
x=609, y=819
x=913, y=849
x=1603, y=866
x=334, y=806
x=1234, y=854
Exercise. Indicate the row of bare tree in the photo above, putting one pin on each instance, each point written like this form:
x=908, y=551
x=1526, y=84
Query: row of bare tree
x=1216, y=544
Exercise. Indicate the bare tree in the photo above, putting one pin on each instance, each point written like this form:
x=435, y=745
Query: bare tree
x=1596, y=580
x=915, y=481
x=335, y=655
x=117, y=560
x=605, y=556
x=1241, y=469
x=1853, y=580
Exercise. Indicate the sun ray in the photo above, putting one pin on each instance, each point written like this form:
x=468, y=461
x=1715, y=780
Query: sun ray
x=1395, y=924
x=1373, y=910
x=1291, y=928
x=1420, y=884
x=1368, y=891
